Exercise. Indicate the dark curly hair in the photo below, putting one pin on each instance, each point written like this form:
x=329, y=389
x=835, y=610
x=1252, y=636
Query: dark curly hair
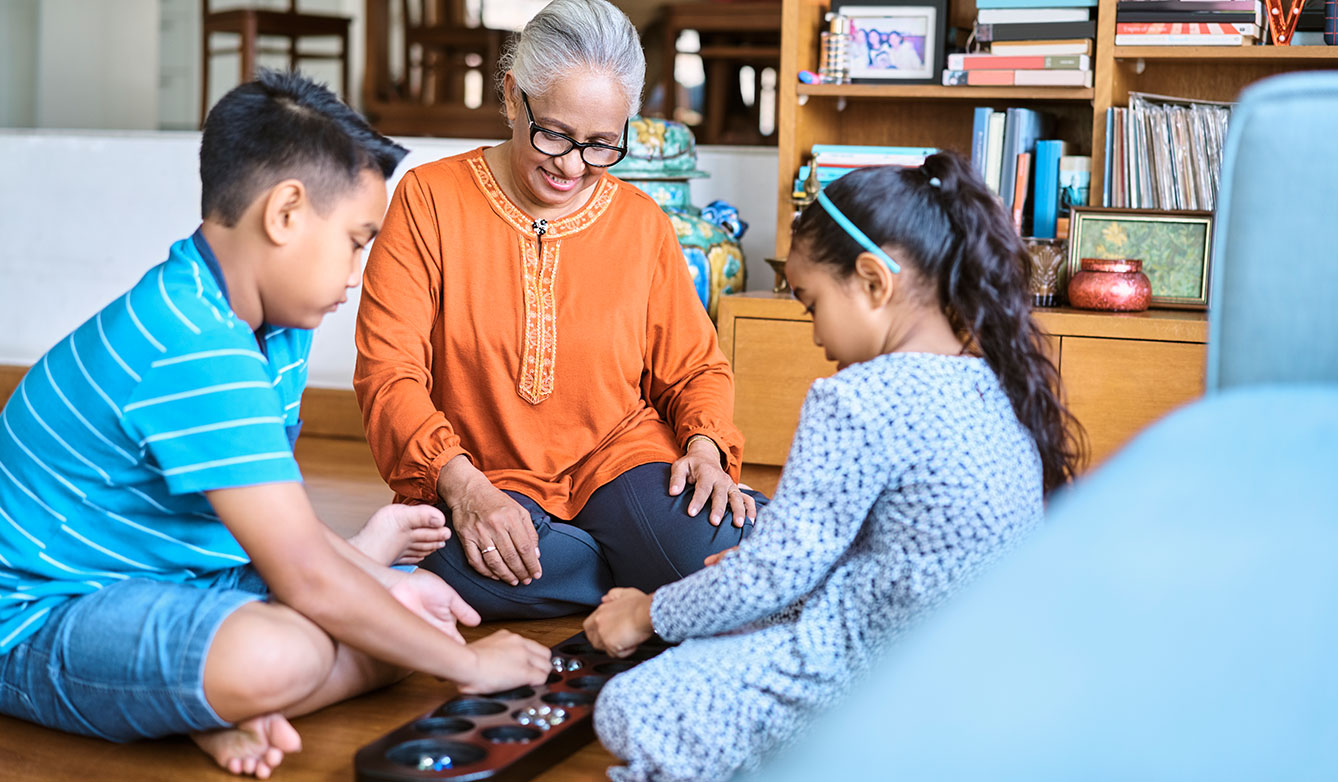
x=942, y=219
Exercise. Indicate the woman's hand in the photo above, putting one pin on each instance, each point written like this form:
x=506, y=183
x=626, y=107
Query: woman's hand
x=429, y=597
x=701, y=467
x=621, y=622
x=505, y=660
x=496, y=533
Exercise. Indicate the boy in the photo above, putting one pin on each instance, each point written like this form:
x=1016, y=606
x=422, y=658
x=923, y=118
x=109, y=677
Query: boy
x=149, y=500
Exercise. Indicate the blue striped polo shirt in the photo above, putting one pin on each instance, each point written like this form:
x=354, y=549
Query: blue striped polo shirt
x=108, y=444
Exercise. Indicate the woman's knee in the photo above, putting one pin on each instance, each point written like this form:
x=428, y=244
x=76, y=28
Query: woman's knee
x=264, y=658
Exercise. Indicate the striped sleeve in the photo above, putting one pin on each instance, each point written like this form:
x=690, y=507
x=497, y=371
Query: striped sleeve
x=212, y=419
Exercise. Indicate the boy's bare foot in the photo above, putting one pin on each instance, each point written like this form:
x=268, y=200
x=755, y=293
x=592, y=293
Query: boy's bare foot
x=402, y=534
x=254, y=747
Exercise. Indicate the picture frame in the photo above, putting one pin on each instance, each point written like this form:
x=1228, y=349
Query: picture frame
x=1174, y=246
x=895, y=42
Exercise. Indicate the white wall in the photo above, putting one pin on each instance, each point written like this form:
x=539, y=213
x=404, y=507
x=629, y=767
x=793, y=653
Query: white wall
x=18, y=63
x=84, y=214
x=97, y=64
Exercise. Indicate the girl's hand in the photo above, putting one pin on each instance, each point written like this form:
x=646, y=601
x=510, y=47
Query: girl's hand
x=503, y=661
x=621, y=622
x=715, y=558
x=434, y=601
x=701, y=466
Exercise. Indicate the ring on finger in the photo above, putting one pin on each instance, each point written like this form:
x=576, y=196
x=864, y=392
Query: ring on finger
x=488, y=550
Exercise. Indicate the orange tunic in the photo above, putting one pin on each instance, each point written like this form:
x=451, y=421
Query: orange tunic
x=555, y=362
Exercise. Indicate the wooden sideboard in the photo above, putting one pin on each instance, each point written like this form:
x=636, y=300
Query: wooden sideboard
x=1120, y=372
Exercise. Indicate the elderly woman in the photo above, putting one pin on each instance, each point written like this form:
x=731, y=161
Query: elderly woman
x=532, y=356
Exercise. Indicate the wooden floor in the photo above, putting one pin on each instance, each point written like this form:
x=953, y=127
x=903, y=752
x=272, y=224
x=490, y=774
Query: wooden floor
x=345, y=489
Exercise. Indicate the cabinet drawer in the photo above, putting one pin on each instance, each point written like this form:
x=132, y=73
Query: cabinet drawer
x=1116, y=387
x=774, y=361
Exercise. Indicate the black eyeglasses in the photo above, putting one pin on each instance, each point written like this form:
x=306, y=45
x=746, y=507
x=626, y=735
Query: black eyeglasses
x=555, y=144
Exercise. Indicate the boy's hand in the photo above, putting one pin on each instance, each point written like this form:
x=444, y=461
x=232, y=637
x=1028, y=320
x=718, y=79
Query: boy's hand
x=505, y=660
x=621, y=622
x=433, y=599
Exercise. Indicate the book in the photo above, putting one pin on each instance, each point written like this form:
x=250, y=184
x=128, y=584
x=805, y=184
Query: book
x=861, y=161
x=1248, y=17
x=1024, y=126
x=851, y=149
x=1018, y=78
x=1195, y=6
x=980, y=133
x=994, y=151
x=1022, y=169
x=1248, y=11
x=1044, y=31
x=1036, y=4
x=1184, y=40
x=1033, y=48
x=1023, y=15
x=1004, y=62
x=1248, y=29
x=1106, y=179
x=1045, y=196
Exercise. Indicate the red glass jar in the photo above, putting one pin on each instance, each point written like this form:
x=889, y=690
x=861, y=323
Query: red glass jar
x=1112, y=285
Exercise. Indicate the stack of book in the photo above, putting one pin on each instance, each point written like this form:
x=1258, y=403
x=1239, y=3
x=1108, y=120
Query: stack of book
x=830, y=162
x=1028, y=43
x=1164, y=153
x=1007, y=147
x=1189, y=22
x=1062, y=182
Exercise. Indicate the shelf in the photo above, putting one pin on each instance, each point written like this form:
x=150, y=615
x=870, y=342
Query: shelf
x=1229, y=53
x=1159, y=325
x=938, y=92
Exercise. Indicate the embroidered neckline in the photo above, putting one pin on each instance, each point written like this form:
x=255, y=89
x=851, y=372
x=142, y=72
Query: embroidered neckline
x=540, y=247
x=556, y=229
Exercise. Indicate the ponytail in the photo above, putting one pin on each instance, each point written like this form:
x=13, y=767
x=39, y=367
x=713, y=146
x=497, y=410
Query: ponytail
x=944, y=220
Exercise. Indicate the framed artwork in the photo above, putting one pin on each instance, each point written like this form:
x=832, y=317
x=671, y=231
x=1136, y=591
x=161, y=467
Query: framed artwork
x=1175, y=248
x=895, y=42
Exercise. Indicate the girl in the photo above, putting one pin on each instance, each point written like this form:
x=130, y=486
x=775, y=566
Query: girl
x=922, y=458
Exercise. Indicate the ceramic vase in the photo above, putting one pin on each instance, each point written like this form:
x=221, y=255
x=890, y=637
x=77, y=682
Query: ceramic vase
x=1111, y=285
x=661, y=159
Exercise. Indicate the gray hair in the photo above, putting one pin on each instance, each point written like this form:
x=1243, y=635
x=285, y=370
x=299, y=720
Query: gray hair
x=576, y=34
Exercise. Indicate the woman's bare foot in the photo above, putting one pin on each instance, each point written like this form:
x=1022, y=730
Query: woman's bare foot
x=402, y=534
x=254, y=747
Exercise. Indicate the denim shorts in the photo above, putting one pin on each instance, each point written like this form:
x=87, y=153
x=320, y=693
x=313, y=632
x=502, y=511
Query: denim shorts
x=125, y=662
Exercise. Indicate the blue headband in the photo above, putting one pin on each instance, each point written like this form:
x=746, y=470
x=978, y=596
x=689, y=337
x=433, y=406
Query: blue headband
x=856, y=233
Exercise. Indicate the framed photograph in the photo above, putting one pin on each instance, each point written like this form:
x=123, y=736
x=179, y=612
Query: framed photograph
x=1175, y=248
x=895, y=42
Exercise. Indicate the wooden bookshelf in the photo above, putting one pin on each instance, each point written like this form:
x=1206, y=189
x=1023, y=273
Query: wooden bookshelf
x=928, y=115
x=939, y=92
x=1283, y=54
x=1121, y=371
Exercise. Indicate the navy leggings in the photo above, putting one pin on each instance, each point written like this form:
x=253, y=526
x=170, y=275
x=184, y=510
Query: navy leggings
x=630, y=533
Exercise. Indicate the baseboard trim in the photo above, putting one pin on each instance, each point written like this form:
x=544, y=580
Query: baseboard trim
x=332, y=412
x=10, y=375
x=326, y=412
